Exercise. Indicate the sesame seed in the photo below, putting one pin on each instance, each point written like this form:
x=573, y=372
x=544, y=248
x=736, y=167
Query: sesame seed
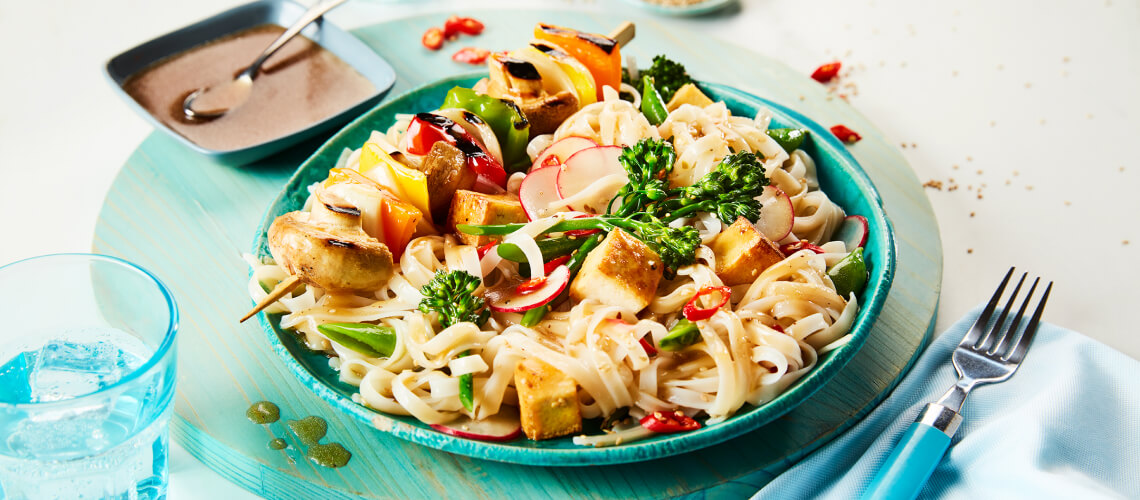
x=1042, y=121
x=1016, y=173
x=979, y=171
x=913, y=145
x=969, y=250
x=969, y=158
x=972, y=214
x=1065, y=59
x=903, y=145
x=1008, y=182
x=954, y=73
x=1028, y=85
x=1124, y=242
x=1000, y=67
x=1089, y=116
x=1068, y=203
x=933, y=184
x=955, y=167
x=1029, y=188
x=1122, y=168
x=993, y=123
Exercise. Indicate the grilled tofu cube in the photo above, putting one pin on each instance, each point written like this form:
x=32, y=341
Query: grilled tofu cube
x=548, y=400
x=547, y=112
x=688, y=94
x=446, y=170
x=469, y=207
x=742, y=253
x=622, y=271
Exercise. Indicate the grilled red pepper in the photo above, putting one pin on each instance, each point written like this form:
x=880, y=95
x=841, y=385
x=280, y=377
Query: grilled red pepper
x=825, y=73
x=666, y=422
x=796, y=246
x=845, y=134
x=433, y=38
x=426, y=129
x=471, y=55
x=466, y=25
x=694, y=313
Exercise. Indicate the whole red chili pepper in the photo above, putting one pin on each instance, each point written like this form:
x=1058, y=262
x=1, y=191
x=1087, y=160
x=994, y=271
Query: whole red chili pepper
x=471, y=55
x=694, y=313
x=825, y=73
x=666, y=422
x=845, y=134
x=433, y=38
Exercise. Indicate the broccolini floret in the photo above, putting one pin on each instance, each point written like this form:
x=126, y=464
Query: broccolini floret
x=668, y=76
x=452, y=295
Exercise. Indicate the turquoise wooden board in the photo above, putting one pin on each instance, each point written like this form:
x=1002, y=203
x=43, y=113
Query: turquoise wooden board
x=188, y=220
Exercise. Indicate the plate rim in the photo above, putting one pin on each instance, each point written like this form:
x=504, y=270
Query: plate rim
x=675, y=444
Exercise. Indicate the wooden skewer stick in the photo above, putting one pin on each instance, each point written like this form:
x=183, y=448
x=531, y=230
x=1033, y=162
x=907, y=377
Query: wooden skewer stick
x=623, y=33
x=282, y=289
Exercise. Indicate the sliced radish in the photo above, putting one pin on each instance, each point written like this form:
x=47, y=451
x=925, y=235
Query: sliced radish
x=538, y=190
x=506, y=297
x=853, y=232
x=502, y=426
x=561, y=150
x=776, y=214
x=591, y=178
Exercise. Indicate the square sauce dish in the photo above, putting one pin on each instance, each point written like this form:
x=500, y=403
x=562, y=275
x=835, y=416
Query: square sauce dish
x=316, y=82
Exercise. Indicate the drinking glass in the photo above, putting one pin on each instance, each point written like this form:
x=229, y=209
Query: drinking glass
x=86, y=378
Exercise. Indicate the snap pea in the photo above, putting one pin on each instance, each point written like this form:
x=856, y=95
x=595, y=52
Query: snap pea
x=374, y=341
x=652, y=106
x=788, y=138
x=550, y=247
x=683, y=334
x=533, y=316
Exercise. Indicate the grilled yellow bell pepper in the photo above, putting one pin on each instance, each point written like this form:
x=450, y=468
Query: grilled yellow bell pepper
x=579, y=75
x=407, y=183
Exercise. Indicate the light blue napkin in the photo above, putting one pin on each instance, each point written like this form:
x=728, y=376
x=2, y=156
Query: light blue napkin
x=1066, y=425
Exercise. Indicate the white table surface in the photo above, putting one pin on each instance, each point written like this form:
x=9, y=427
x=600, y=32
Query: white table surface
x=1035, y=101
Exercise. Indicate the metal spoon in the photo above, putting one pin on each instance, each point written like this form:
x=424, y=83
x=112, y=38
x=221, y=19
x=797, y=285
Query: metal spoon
x=216, y=100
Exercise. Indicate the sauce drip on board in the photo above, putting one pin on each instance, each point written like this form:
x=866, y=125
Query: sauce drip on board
x=301, y=84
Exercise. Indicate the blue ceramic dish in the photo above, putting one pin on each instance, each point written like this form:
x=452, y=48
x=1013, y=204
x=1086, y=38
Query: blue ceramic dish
x=840, y=176
x=279, y=12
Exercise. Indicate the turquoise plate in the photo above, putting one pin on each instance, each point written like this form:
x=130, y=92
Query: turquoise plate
x=696, y=9
x=840, y=176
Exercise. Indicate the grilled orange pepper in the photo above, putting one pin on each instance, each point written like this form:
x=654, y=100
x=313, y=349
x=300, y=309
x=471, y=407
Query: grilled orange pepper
x=600, y=54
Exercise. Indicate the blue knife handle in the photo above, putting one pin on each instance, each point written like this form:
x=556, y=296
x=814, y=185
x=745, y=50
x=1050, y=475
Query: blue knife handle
x=915, y=456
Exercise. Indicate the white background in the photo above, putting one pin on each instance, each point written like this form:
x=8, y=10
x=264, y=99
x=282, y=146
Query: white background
x=1037, y=101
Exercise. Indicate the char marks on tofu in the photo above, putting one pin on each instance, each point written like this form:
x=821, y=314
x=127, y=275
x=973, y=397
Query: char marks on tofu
x=470, y=207
x=622, y=272
x=548, y=400
x=742, y=253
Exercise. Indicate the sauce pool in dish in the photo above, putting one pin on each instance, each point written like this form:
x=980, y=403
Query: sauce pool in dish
x=300, y=85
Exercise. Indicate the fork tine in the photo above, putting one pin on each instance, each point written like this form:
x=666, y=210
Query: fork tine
x=976, y=331
x=1011, y=332
x=996, y=336
x=1022, y=346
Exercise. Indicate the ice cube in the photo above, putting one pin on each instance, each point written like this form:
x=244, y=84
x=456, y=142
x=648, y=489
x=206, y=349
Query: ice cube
x=15, y=378
x=66, y=369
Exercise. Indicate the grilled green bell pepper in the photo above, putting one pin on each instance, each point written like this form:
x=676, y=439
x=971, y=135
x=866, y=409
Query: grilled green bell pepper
x=505, y=119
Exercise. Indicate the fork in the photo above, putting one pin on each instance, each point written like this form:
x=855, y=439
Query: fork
x=987, y=355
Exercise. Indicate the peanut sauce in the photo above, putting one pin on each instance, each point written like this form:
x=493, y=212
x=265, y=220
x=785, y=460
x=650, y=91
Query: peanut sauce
x=301, y=84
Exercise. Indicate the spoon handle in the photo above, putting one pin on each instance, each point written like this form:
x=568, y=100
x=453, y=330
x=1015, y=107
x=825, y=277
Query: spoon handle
x=307, y=18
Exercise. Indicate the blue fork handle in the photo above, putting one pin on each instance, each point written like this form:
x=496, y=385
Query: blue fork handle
x=915, y=456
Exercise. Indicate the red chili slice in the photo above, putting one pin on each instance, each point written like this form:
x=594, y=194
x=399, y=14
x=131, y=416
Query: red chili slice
x=694, y=313
x=796, y=246
x=666, y=422
x=466, y=25
x=487, y=248
x=433, y=38
x=648, y=346
x=529, y=286
x=827, y=72
x=549, y=267
x=582, y=232
x=471, y=55
x=845, y=134
x=778, y=328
